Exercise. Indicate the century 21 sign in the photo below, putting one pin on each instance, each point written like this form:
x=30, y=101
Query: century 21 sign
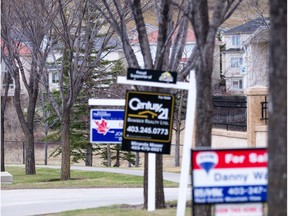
x=148, y=122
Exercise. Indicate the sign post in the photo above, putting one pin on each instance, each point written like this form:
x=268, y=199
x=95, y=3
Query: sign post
x=189, y=124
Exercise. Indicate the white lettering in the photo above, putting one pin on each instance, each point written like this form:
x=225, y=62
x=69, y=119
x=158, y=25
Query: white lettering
x=136, y=104
x=255, y=158
x=230, y=158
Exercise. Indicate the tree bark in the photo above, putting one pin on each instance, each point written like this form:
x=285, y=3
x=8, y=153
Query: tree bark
x=65, y=142
x=89, y=155
x=6, y=80
x=277, y=125
x=160, y=197
x=26, y=124
x=30, y=154
x=2, y=141
x=108, y=155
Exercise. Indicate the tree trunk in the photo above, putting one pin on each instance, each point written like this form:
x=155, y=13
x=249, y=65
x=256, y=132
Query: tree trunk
x=137, y=159
x=160, y=198
x=26, y=125
x=30, y=155
x=2, y=143
x=204, y=125
x=117, y=163
x=108, y=155
x=65, y=142
x=178, y=130
x=277, y=125
x=89, y=155
x=6, y=80
x=177, y=144
x=46, y=153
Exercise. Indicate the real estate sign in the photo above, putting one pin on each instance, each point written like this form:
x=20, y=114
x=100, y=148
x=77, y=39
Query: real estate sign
x=152, y=75
x=229, y=175
x=148, y=122
x=106, y=126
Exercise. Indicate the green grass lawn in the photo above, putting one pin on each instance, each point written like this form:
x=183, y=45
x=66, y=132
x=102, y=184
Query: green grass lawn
x=122, y=210
x=50, y=178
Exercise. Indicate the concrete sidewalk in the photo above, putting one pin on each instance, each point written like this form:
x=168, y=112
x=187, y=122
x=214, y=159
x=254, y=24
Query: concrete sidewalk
x=170, y=176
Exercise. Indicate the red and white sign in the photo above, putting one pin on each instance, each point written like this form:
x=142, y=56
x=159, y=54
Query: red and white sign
x=229, y=175
x=247, y=209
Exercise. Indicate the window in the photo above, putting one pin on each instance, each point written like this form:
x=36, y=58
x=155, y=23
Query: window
x=11, y=84
x=236, y=62
x=237, y=84
x=235, y=40
x=55, y=77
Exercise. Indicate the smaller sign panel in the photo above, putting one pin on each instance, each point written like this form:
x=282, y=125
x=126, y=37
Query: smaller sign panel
x=106, y=126
x=148, y=122
x=152, y=75
x=229, y=175
x=247, y=209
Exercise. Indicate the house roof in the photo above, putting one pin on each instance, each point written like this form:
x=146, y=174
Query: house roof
x=22, y=49
x=249, y=27
x=153, y=37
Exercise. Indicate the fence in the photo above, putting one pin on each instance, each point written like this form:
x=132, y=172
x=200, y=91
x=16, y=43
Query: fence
x=15, y=152
x=254, y=107
x=230, y=112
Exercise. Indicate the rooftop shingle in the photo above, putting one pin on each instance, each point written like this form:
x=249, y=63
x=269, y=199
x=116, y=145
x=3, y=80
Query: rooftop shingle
x=249, y=27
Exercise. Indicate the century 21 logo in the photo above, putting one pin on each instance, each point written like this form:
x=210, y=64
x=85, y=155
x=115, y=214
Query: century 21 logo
x=136, y=104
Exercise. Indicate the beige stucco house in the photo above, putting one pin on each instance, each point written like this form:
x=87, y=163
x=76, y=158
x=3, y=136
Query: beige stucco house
x=245, y=56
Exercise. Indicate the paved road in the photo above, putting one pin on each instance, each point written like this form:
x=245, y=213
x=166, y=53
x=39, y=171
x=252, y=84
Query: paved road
x=38, y=201
x=42, y=201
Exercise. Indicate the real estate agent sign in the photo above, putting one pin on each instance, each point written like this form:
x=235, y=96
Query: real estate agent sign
x=148, y=122
x=106, y=126
x=229, y=175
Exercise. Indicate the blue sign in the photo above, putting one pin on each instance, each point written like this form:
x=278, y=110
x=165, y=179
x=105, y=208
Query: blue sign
x=106, y=126
x=230, y=194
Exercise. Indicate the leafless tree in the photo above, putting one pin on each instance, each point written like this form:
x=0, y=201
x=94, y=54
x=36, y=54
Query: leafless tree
x=77, y=44
x=117, y=13
x=205, y=31
x=277, y=125
x=23, y=28
x=178, y=124
x=4, y=96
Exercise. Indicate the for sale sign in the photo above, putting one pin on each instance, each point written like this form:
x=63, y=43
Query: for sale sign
x=148, y=122
x=106, y=126
x=229, y=175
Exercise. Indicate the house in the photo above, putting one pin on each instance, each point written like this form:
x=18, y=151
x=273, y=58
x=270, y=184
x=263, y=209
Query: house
x=245, y=55
x=190, y=44
x=25, y=57
x=114, y=52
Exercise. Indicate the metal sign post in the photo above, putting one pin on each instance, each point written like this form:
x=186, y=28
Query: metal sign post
x=189, y=125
